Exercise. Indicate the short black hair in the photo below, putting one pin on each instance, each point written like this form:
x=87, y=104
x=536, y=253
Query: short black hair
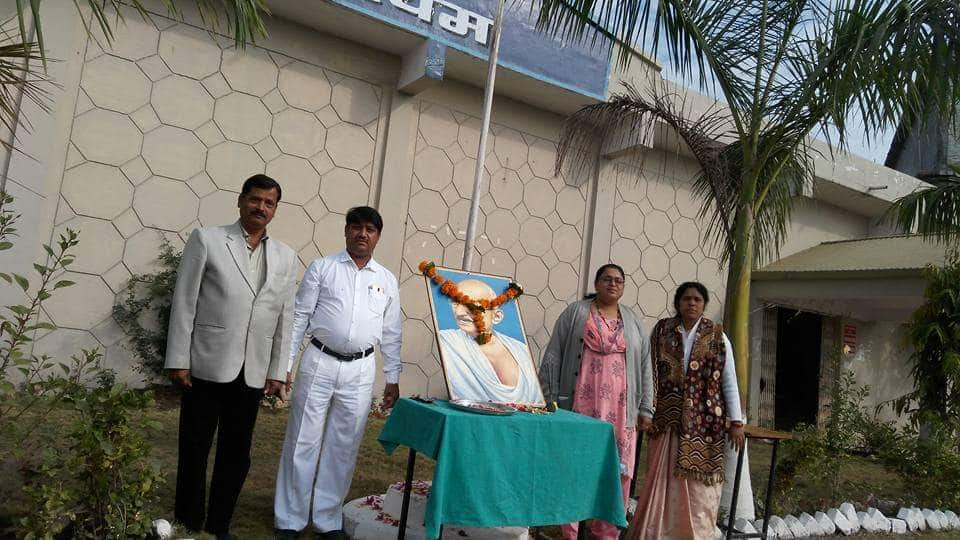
x=682, y=288
x=261, y=181
x=358, y=215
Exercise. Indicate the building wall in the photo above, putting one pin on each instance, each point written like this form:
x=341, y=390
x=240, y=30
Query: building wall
x=814, y=222
x=881, y=362
x=656, y=236
x=531, y=227
x=168, y=122
x=929, y=149
x=151, y=137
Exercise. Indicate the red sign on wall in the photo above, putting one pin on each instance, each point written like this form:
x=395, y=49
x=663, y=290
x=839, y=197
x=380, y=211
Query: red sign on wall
x=849, y=339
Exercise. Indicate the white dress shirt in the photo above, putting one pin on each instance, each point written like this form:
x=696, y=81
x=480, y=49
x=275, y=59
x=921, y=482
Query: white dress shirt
x=349, y=309
x=731, y=393
x=257, y=267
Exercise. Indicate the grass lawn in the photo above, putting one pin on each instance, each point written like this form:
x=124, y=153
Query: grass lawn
x=254, y=514
x=375, y=470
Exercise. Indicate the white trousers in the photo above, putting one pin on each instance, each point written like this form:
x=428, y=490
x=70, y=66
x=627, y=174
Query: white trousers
x=328, y=413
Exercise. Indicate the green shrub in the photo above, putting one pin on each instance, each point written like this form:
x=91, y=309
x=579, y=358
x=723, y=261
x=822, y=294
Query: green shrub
x=30, y=382
x=927, y=466
x=94, y=481
x=934, y=333
x=99, y=482
x=817, y=455
x=144, y=311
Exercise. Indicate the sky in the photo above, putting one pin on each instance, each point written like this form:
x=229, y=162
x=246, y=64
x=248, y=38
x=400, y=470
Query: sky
x=875, y=150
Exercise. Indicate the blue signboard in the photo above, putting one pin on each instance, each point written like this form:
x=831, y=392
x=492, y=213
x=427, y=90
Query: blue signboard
x=467, y=25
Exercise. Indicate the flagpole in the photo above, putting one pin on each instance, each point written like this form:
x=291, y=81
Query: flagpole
x=482, y=147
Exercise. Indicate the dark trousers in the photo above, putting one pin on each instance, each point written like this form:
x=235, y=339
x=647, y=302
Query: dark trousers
x=230, y=410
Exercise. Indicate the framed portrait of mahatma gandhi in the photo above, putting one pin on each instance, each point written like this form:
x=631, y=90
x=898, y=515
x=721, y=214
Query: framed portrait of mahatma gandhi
x=483, y=348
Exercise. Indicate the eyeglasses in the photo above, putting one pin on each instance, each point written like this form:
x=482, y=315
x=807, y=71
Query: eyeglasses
x=616, y=281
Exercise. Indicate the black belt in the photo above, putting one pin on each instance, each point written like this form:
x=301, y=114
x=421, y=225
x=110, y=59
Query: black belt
x=338, y=355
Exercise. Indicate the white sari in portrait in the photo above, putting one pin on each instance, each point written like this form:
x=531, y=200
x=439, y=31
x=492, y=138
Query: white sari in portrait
x=470, y=375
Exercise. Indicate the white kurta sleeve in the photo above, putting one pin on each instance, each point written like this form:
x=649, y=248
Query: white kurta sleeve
x=303, y=307
x=390, y=344
x=731, y=393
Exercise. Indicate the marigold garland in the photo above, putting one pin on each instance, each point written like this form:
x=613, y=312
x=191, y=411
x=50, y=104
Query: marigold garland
x=476, y=307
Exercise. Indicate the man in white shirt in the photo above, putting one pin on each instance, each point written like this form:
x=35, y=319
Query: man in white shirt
x=348, y=303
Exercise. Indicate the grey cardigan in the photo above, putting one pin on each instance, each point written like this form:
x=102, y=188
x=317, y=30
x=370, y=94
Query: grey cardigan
x=561, y=360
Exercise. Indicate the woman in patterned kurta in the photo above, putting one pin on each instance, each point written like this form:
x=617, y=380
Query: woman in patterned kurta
x=601, y=389
x=698, y=407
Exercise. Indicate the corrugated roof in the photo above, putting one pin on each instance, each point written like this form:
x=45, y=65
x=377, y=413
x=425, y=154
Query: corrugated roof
x=866, y=257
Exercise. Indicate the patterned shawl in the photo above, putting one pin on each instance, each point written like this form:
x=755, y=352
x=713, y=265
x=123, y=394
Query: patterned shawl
x=691, y=403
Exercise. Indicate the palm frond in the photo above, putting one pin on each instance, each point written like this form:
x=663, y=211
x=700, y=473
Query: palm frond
x=710, y=42
x=720, y=193
x=788, y=169
x=915, y=67
x=242, y=18
x=629, y=118
x=933, y=212
x=20, y=78
x=19, y=81
x=878, y=62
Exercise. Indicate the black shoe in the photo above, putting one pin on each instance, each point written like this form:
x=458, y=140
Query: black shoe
x=332, y=535
x=286, y=534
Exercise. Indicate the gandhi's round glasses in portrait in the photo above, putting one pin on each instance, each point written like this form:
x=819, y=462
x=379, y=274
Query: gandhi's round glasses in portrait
x=607, y=280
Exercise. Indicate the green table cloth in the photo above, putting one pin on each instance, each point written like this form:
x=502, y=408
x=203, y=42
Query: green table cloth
x=519, y=470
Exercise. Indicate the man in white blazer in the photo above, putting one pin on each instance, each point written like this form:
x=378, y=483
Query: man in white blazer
x=228, y=343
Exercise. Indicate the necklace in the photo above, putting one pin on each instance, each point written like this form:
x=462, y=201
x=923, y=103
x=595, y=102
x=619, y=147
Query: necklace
x=477, y=307
x=596, y=306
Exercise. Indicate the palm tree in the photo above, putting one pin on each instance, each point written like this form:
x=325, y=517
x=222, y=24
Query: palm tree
x=22, y=51
x=934, y=211
x=785, y=70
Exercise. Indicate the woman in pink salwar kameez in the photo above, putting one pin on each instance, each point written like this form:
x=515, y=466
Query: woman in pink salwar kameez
x=608, y=355
x=696, y=397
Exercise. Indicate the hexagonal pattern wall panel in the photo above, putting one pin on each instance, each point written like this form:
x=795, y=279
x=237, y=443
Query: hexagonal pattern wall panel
x=656, y=239
x=115, y=84
x=531, y=225
x=249, y=70
x=106, y=137
x=189, y=51
x=171, y=122
x=174, y=152
x=96, y=190
x=169, y=128
x=182, y=102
